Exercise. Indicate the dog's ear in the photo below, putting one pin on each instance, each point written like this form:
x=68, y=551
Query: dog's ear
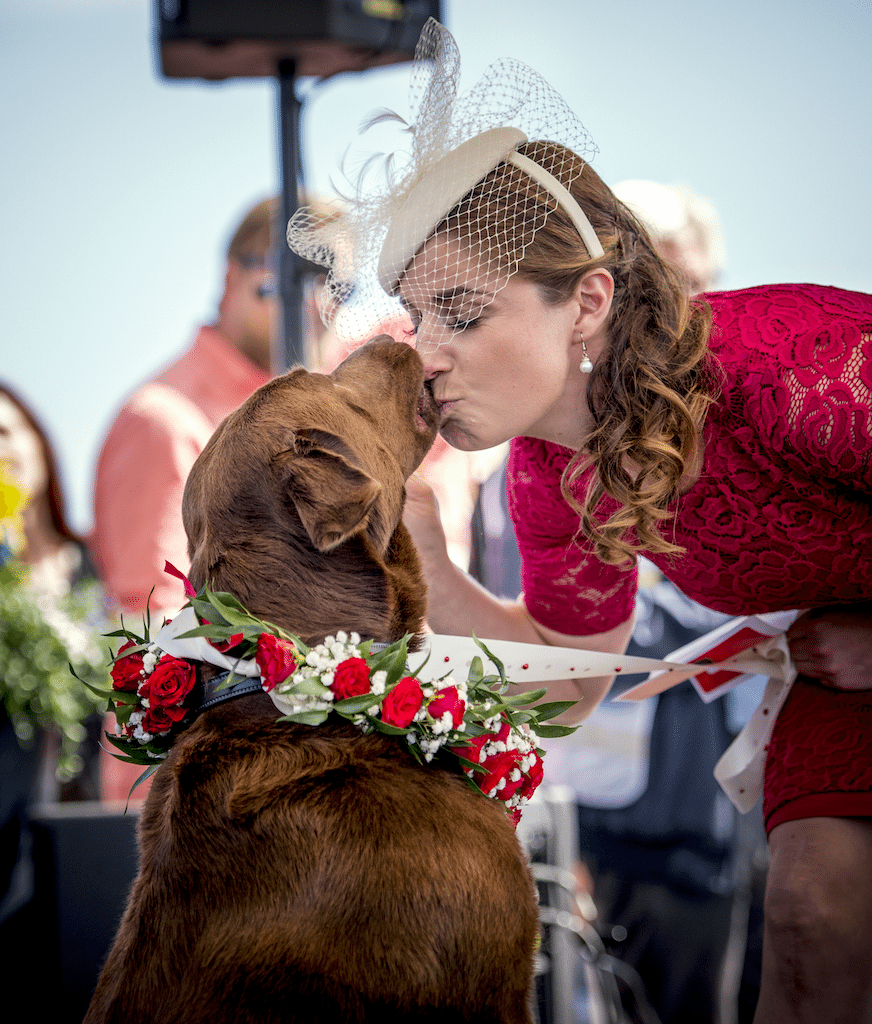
x=332, y=497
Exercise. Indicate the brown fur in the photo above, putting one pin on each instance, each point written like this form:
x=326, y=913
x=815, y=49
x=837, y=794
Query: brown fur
x=296, y=874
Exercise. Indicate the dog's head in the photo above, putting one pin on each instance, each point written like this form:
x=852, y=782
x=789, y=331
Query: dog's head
x=310, y=465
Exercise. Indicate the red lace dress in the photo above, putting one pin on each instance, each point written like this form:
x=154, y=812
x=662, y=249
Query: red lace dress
x=781, y=517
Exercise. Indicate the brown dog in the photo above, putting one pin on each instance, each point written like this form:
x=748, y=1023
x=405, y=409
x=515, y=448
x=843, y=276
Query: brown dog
x=298, y=874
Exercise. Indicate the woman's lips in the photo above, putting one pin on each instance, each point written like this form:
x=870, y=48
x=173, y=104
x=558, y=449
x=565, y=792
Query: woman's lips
x=445, y=407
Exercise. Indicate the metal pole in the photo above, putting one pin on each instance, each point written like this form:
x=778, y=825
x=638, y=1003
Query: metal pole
x=288, y=348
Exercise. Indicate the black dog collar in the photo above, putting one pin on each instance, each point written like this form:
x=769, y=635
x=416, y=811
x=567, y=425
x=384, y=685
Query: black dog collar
x=210, y=694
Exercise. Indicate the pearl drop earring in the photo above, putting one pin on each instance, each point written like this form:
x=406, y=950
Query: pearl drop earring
x=585, y=365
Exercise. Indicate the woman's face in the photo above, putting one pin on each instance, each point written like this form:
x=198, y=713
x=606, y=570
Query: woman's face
x=500, y=361
x=21, y=449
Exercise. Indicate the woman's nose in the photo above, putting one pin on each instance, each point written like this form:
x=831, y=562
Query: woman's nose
x=435, y=360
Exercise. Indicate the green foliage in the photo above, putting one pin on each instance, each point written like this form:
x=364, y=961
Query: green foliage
x=44, y=644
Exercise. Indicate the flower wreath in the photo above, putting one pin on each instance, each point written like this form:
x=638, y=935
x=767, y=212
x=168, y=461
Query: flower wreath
x=491, y=733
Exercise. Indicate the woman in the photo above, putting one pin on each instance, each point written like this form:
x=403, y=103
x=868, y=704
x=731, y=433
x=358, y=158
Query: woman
x=728, y=439
x=55, y=555
x=51, y=612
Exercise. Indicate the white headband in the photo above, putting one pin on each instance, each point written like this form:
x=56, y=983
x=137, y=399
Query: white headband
x=448, y=181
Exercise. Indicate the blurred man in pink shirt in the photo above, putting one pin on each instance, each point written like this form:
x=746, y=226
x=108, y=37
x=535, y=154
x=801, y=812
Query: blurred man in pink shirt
x=163, y=426
x=157, y=436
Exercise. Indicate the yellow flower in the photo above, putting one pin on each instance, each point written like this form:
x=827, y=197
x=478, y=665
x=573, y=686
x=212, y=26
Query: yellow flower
x=12, y=497
x=12, y=501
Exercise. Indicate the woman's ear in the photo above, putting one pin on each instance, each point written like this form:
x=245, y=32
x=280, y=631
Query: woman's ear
x=594, y=293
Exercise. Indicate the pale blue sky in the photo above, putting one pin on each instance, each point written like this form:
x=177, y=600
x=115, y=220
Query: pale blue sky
x=119, y=187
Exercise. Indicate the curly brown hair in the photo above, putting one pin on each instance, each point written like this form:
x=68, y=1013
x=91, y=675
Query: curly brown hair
x=652, y=385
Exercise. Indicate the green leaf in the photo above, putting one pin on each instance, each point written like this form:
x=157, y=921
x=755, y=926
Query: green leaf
x=553, y=709
x=123, y=745
x=468, y=764
x=393, y=661
x=492, y=657
x=476, y=671
x=231, y=680
x=518, y=717
x=417, y=672
x=551, y=731
x=306, y=717
x=308, y=688
x=222, y=600
x=390, y=730
x=124, y=697
x=514, y=699
x=211, y=632
x=147, y=774
x=357, y=705
x=138, y=649
x=108, y=695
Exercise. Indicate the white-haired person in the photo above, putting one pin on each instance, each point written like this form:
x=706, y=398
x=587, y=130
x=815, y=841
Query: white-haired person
x=726, y=438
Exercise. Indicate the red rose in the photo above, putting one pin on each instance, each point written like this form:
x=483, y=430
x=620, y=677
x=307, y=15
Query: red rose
x=447, y=699
x=503, y=735
x=472, y=750
x=403, y=702
x=229, y=643
x=127, y=671
x=162, y=717
x=169, y=684
x=533, y=777
x=499, y=768
x=225, y=645
x=276, y=658
x=351, y=678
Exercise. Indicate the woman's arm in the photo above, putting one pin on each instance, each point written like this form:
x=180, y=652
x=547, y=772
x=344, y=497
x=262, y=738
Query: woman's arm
x=457, y=605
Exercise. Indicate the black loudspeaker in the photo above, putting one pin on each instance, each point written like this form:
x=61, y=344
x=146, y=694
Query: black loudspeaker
x=219, y=39
x=84, y=861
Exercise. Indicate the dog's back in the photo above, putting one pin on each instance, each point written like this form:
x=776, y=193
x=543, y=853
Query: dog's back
x=291, y=873
x=318, y=875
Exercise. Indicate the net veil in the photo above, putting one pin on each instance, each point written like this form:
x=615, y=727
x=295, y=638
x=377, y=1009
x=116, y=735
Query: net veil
x=452, y=209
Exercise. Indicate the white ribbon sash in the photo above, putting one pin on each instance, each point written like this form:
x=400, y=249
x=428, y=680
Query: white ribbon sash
x=739, y=771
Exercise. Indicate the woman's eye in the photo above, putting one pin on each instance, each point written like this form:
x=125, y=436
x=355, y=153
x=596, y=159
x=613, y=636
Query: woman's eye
x=462, y=325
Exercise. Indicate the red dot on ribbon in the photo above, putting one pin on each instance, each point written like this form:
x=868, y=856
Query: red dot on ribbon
x=525, y=666
x=447, y=658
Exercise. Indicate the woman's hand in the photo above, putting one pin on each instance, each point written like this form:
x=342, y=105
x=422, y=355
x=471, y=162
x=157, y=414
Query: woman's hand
x=421, y=519
x=834, y=645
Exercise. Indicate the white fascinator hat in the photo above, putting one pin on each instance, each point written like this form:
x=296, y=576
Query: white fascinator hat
x=510, y=146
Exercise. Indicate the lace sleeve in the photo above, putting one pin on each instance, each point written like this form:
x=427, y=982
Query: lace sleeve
x=808, y=379
x=566, y=587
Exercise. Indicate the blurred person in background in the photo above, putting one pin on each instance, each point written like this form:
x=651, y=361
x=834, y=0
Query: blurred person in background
x=158, y=434
x=56, y=556
x=164, y=425
x=50, y=619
